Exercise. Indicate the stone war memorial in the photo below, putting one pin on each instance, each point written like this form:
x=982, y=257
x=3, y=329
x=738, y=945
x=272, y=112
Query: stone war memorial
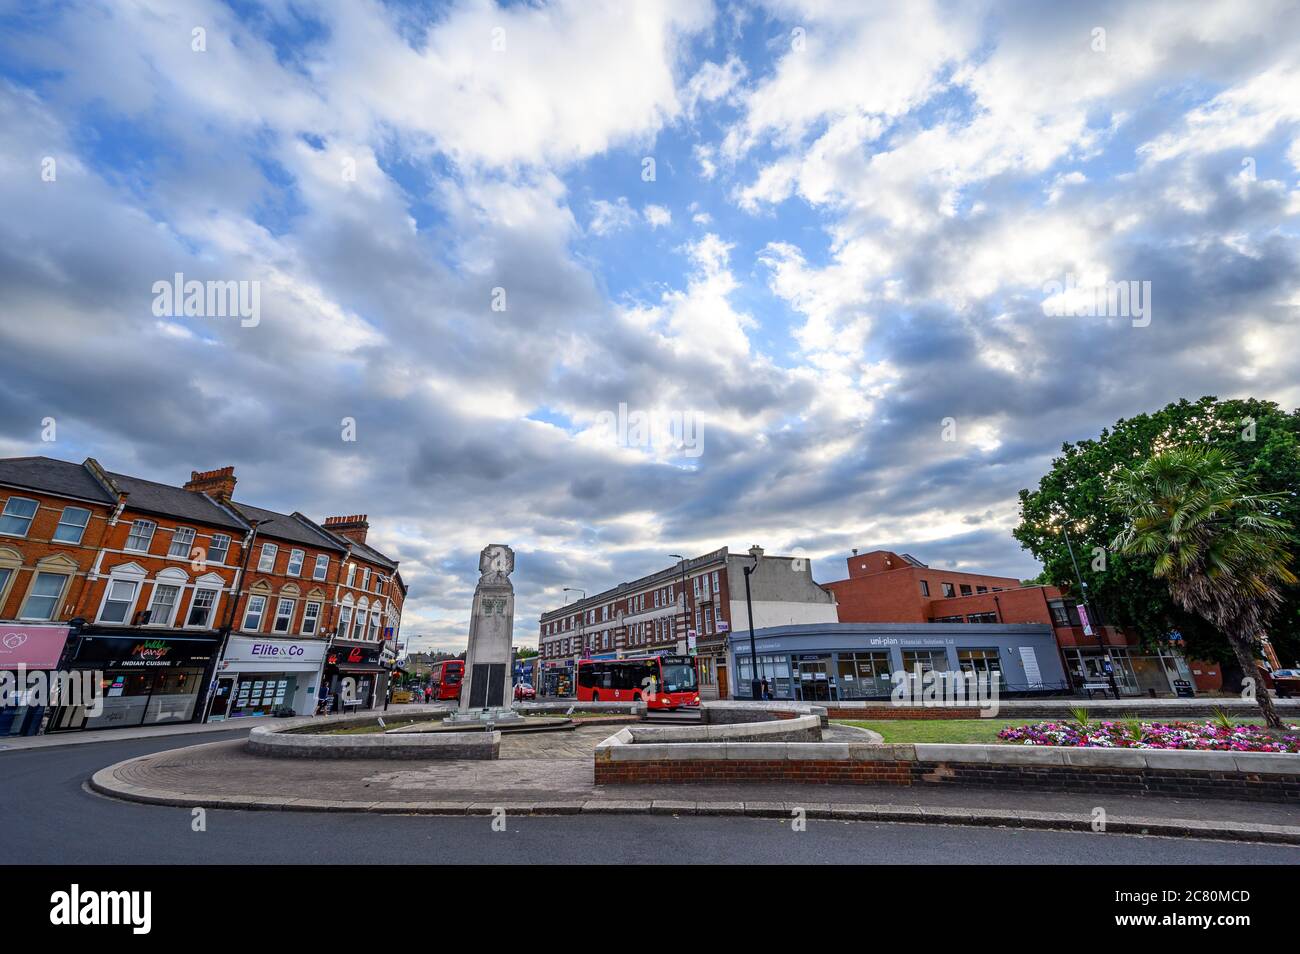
x=485, y=696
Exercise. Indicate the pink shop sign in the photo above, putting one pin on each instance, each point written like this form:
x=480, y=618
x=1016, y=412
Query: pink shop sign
x=36, y=647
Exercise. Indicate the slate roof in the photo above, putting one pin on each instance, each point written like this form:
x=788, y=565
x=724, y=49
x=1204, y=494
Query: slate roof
x=48, y=475
x=176, y=502
x=364, y=551
x=294, y=528
x=53, y=476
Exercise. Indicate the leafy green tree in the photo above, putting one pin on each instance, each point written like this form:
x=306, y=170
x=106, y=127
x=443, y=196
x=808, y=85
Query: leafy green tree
x=1123, y=589
x=1218, y=546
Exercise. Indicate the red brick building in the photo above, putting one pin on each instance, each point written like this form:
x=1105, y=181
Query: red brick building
x=164, y=587
x=888, y=587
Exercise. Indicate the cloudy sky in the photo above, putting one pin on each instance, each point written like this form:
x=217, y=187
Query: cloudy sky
x=820, y=234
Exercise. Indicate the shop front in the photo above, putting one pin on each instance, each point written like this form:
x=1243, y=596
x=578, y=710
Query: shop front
x=265, y=676
x=356, y=675
x=557, y=679
x=829, y=662
x=24, y=651
x=147, y=677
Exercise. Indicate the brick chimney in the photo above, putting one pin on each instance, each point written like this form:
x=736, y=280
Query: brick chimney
x=353, y=527
x=217, y=483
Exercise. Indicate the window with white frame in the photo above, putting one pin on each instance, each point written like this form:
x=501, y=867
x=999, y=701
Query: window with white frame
x=295, y=562
x=345, y=619
x=365, y=578
x=359, y=622
x=202, y=604
x=17, y=517
x=43, y=600
x=219, y=549
x=310, y=618
x=141, y=535
x=72, y=524
x=374, y=624
x=322, y=567
x=182, y=543
x=162, y=606
x=118, y=601
x=352, y=574
x=283, y=615
x=254, y=612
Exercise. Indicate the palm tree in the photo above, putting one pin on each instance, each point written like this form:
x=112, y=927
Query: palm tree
x=1216, y=544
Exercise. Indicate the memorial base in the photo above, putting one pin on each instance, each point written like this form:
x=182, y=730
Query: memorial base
x=480, y=717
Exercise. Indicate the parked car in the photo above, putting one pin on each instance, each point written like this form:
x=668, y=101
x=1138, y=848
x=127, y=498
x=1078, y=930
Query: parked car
x=524, y=691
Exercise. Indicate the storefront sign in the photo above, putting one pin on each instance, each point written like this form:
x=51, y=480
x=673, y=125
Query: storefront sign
x=143, y=651
x=36, y=647
x=281, y=653
x=351, y=654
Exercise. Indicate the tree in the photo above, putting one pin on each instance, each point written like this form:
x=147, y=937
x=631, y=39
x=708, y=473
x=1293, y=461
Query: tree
x=1122, y=587
x=1218, y=546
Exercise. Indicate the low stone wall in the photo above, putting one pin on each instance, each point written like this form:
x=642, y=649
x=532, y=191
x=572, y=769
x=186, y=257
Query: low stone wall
x=1258, y=776
x=735, y=711
x=806, y=728
x=308, y=738
x=1037, y=710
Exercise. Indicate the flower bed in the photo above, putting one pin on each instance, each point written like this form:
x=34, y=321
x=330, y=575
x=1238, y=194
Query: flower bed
x=1201, y=736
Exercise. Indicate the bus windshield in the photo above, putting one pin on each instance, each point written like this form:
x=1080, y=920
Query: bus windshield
x=679, y=677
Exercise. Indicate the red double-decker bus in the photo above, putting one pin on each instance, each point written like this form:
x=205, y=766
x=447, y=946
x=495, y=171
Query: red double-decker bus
x=663, y=682
x=446, y=678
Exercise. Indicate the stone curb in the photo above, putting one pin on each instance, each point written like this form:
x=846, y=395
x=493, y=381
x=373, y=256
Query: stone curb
x=105, y=783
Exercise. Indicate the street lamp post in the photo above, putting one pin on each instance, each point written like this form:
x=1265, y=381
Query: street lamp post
x=1083, y=592
x=582, y=628
x=686, y=620
x=755, y=684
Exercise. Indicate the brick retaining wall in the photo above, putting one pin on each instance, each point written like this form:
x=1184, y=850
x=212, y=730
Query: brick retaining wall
x=1231, y=775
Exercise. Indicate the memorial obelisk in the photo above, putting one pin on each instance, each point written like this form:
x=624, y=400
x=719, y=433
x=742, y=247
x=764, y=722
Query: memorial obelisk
x=485, y=695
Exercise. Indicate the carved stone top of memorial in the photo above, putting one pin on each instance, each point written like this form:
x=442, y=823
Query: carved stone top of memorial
x=495, y=563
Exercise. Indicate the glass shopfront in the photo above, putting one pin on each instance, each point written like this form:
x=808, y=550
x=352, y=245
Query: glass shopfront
x=146, y=678
x=263, y=694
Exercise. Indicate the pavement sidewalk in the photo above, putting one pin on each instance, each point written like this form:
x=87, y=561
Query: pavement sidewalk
x=223, y=775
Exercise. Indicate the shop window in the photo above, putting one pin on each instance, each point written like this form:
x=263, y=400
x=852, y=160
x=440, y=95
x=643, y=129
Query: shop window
x=863, y=675
x=979, y=660
x=17, y=517
x=72, y=524
x=141, y=535
x=118, y=601
x=43, y=600
x=201, y=606
x=254, y=612
x=930, y=660
x=182, y=543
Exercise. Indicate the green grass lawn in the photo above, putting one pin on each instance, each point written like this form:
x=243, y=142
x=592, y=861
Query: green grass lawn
x=938, y=730
x=974, y=731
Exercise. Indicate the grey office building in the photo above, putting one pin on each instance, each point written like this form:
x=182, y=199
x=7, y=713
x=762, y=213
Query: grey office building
x=838, y=661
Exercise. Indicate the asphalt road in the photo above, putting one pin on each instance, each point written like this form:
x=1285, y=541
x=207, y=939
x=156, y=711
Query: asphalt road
x=48, y=817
